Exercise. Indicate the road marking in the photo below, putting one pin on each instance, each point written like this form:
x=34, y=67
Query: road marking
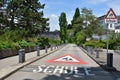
x=87, y=72
x=58, y=69
x=74, y=70
x=47, y=69
x=68, y=59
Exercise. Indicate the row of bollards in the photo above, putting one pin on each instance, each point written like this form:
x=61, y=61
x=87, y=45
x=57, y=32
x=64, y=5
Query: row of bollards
x=22, y=52
x=109, y=56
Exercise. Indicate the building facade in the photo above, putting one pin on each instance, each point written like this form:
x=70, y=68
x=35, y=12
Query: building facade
x=51, y=35
x=113, y=27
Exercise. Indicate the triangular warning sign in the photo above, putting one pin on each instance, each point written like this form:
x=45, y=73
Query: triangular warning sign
x=111, y=14
x=68, y=59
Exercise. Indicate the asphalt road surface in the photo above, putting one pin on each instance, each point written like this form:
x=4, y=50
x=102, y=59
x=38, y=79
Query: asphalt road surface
x=69, y=63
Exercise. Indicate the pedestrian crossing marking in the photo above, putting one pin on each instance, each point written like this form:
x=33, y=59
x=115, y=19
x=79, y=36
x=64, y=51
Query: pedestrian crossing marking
x=68, y=58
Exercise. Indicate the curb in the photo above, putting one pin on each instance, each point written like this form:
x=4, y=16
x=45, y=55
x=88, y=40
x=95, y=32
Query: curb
x=5, y=72
x=103, y=66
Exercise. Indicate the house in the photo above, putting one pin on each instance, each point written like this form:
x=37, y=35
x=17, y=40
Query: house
x=113, y=27
x=51, y=35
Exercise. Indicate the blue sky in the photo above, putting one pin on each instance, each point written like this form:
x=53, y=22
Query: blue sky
x=53, y=9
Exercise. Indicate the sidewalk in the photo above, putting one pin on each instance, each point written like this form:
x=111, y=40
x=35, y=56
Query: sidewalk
x=15, y=59
x=102, y=60
x=11, y=64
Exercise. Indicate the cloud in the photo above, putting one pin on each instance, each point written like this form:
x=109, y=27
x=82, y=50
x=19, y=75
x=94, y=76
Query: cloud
x=54, y=16
x=69, y=16
x=54, y=23
x=95, y=2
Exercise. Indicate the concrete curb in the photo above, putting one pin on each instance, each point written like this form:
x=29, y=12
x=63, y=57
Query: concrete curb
x=109, y=69
x=94, y=59
x=113, y=69
x=5, y=72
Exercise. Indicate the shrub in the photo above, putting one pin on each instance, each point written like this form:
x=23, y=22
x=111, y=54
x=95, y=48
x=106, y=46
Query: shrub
x=41, y=41
x=95, y=43
x=80, y=38
x=55, y=41
x=12, y=36
x=8, y=44
x=33, y=40
x=24, y=44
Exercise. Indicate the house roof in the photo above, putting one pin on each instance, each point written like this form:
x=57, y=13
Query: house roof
x=102, y=17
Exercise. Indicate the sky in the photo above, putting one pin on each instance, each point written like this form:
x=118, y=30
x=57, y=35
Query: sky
x=53, y=9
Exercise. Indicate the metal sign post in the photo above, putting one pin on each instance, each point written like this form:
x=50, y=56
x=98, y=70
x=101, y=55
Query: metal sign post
x=110, y=19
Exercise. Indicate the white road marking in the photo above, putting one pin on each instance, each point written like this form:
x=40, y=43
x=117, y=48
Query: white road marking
x=47, y=69
x=51, y=69
x=58, y=69
x=87, y=72
x=67, y=59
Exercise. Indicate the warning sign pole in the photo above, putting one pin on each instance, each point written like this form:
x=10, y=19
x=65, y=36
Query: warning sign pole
x=110, y=18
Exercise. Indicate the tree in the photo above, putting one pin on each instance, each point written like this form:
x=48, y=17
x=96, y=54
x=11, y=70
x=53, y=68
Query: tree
x=91, y=24
x=63, y=26
x=80, y=38
x=27, y=15
x=77, y=21
x=69, y=26
x=12, y=12
x=3, y=16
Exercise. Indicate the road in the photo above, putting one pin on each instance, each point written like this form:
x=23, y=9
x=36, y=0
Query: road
x=69, y=63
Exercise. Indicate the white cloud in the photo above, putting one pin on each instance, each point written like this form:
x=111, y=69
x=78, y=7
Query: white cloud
x=54, y=24
x=69, y=16
x=54, y=16
x=94, y=2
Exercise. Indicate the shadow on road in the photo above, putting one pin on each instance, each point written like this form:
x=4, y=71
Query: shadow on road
x=93, y=73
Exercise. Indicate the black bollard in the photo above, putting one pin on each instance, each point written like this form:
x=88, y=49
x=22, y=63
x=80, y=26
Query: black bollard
x=46, y=49
x=97, y=53
x=38, y=51
x=51, y=48
x=91, y=50
x=21, y=55
x=109, y=60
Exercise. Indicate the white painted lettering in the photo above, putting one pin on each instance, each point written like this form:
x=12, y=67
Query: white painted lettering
x=47, y=69
x=58, y=68
x=74, y=70
x=40, y=68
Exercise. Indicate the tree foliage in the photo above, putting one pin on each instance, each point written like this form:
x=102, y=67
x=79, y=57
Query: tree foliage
x=25, y=15
x=80, y=38
x=91, y=24
x=77, y=21
x=63, y=26
x=3, y=16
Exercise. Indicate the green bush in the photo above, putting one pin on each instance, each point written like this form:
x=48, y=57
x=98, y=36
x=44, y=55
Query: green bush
x=24, y=44
x=41, y=41
x=95, y=43
x=55, y=41
x=8, y=44
x=12, y=36
x=33, y=40
x=80, y=38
